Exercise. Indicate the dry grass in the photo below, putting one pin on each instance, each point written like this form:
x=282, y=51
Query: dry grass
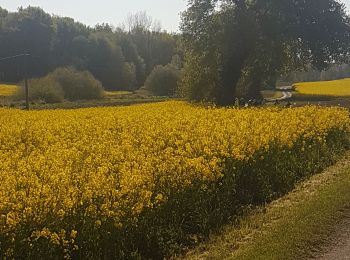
x=271, y=94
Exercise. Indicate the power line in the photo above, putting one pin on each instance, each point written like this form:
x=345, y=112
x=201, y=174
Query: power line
x=26, y=55
x=14, y=57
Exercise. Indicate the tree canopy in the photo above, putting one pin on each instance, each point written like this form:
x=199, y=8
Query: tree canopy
x=120, y=59
x=233, y=47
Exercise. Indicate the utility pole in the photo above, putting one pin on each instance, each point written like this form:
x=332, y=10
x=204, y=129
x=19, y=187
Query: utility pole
x=26, y=80
x=25, y=56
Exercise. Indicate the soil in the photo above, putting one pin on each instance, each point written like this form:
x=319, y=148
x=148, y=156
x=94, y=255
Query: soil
x=339, y=247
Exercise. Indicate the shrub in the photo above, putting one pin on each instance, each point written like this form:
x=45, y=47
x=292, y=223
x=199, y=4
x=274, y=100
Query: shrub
x=43, y=89
x=77, y=85
x=163, y=80
x=129, y=76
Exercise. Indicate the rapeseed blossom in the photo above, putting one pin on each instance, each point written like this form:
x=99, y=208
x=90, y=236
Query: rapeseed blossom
x=335, y=88
x=59, y=168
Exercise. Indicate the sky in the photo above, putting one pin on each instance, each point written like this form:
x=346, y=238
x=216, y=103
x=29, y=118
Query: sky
x=92, y=12
x=114, y=12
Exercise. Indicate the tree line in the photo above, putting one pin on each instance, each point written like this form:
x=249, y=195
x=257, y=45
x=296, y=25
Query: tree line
x=120, y=58
x=226, y=48
x=334, y=72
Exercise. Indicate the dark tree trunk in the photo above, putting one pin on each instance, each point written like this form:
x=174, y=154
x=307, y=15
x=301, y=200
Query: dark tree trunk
x=226, y=95
x=254, y=89
x=231, y=74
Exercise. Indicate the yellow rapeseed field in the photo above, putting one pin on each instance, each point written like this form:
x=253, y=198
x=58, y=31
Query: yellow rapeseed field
x=116, y=93
x=336, y=88
x=7, y=90
x=65, y=171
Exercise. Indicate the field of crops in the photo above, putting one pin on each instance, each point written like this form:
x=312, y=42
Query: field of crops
x=335, y=88
x=141, y=180
x=117, y=93
x=7, y=90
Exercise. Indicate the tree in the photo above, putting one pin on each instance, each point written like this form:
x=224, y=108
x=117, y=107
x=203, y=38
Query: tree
x=119, y=59
x=67, y=43
x=154, y=46
x=131, y=55
x=76, y=85
x=106, y=60
x=27, y=31
x=242, y=44
x=163, y=80
x=43, y=89
x=3, y=12
x=129, y=76
x=139, y=22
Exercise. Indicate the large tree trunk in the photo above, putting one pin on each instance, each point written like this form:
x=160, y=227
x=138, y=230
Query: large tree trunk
x=226, y=94
x=254, y=89
x=231, y=74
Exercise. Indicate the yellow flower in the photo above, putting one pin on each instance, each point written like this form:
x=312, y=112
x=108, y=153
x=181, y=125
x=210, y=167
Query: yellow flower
x=112, y=164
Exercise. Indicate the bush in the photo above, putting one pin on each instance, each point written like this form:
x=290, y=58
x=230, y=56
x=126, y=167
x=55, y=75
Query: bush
x=77, y=85
x=64, y=83
x=163, y=80
x=129, y=76
x=43, y=89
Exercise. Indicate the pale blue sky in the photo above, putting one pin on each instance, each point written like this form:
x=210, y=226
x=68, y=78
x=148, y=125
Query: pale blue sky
x=114, y=12
x=91, y=12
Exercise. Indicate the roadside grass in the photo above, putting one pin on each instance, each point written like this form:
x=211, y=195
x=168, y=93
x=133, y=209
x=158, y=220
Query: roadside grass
x=8, y=98
x=297, y=226
x=313, y=98
x=271, y=94
x=95, y=103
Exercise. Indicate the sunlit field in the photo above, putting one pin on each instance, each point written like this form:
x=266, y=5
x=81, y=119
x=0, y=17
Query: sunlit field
x=8, y=90
x=116, y=93
x=115, y=181
x=335, y=88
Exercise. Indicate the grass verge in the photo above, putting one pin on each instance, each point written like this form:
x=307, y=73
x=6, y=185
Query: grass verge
x=306, y=97
x=296, y=226
x=271, y=94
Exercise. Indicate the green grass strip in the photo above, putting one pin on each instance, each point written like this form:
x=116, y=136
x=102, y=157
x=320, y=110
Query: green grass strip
x=296, y=226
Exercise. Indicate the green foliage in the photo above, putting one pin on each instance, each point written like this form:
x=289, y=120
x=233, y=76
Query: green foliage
x=307, y=219
x=77, y=85
x=106, y=60
x=200, y=78
x=131, y=55
x=44, y=89
x=154, y=46
x=163, y=80
x=191, y=216
x=111, y=54
x=129, y=76
x=254, y=41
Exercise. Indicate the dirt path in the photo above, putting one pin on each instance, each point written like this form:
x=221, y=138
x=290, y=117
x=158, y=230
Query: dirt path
x=340, y=248
x=285, y=95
